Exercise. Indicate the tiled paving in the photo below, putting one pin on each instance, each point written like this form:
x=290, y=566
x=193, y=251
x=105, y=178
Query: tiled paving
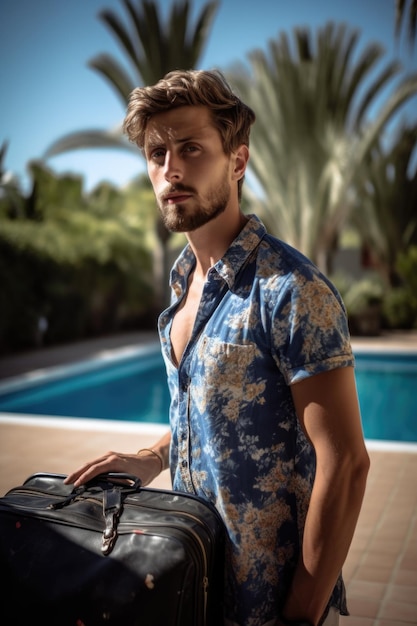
x=381, y=568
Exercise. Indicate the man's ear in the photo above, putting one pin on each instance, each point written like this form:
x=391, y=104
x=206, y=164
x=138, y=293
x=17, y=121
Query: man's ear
x=241, y=157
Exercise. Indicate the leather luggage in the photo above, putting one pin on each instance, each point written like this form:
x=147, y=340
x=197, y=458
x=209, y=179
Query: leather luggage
x=109, y=553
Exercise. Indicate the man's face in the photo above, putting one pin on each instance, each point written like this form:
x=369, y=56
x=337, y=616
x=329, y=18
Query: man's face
x=189, y=171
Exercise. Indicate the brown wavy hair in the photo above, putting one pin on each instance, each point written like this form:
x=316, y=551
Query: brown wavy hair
x=231, y=116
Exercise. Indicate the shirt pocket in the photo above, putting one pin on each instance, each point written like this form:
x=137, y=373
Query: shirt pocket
x=226, y=368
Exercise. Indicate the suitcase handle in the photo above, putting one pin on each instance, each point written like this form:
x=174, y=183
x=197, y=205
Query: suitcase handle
x=113, y=477
x=127, y=482
x=114, y=485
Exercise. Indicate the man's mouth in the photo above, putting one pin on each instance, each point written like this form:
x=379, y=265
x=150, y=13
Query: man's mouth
x=175, y=198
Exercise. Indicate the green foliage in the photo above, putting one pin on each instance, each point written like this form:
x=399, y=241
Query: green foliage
x=314, y=96
x=407, y=268
x=162, y=46
x=406, y=13
x=400, y=304
x=11, y=200
x=396, y=307
x=363, y=300
x=399, y=309
x=83, y=262
x=20, y=297
x=384, y=212
x=359, y=295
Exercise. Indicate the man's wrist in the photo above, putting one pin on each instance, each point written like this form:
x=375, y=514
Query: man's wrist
x=151, y=451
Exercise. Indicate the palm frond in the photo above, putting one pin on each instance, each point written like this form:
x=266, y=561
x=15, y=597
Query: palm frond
x=114, y=73
x=89, y=139
x=117, y=28
x=314, y=129
x=411, y=18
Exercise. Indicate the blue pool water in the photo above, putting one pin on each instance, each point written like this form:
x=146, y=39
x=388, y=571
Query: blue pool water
x=133, y=388
x=387, y=386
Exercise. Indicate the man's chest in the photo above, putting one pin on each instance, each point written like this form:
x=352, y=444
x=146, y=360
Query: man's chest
x=184, y=320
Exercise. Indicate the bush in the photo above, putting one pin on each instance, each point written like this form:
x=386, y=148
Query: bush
x=363, y=299
x=71, y=266
x=399, y=309
x=400, y=303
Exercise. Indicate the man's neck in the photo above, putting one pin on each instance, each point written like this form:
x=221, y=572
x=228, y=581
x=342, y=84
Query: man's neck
x=210, y=242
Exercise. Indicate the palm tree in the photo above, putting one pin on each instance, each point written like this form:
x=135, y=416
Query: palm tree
x=385, y=212
x=11, y=198
x=152, y=49
x=412, y=20
x=315, y=127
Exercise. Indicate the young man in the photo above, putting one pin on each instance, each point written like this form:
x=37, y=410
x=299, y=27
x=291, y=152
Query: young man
x=264, y=413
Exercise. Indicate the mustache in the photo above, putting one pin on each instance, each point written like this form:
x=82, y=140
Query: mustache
x=175, y=189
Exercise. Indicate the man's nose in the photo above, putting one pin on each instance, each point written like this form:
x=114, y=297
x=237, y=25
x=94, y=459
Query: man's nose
x=172, y=170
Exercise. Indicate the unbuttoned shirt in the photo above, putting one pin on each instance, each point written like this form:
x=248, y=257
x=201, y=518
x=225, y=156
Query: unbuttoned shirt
x=267, y=319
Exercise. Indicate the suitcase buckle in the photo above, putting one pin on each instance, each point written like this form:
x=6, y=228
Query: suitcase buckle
x=108, y=540
x=112, y=507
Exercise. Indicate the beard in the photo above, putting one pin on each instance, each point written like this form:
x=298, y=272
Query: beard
x=182, y=218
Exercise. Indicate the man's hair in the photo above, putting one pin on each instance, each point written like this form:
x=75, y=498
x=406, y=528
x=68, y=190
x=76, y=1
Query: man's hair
x=232, y=118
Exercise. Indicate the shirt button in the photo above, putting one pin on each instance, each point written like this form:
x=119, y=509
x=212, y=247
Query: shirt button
x=184, y=463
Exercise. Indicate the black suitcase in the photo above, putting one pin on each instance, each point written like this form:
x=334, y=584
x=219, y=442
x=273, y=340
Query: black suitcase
x=109, y=553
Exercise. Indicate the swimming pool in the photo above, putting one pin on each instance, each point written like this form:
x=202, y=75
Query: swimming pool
x=131, y=386
x=387, y=385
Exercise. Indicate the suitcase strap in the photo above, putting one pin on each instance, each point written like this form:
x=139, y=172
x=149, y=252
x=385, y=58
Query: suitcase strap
x=112, y=507
x=113, y=493
x=115, y=486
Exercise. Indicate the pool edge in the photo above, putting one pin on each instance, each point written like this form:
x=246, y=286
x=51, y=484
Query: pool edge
x=80, y=423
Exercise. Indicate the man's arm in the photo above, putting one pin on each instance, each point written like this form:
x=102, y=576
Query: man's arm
x=146, y=466
x=328, y=409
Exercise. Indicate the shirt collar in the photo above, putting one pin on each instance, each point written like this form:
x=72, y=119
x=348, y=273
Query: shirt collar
x=229, y=265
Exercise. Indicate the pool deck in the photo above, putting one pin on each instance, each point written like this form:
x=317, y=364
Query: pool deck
x=381, y=568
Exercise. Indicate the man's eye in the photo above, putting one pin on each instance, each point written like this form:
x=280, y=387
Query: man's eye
x=157, y=155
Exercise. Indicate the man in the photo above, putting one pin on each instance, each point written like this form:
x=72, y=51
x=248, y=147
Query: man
x=264, y=412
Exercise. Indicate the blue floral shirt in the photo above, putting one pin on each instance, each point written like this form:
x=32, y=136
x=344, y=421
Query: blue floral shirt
x=266, y=320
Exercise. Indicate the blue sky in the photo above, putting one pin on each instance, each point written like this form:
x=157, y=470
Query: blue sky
x=47, y=90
